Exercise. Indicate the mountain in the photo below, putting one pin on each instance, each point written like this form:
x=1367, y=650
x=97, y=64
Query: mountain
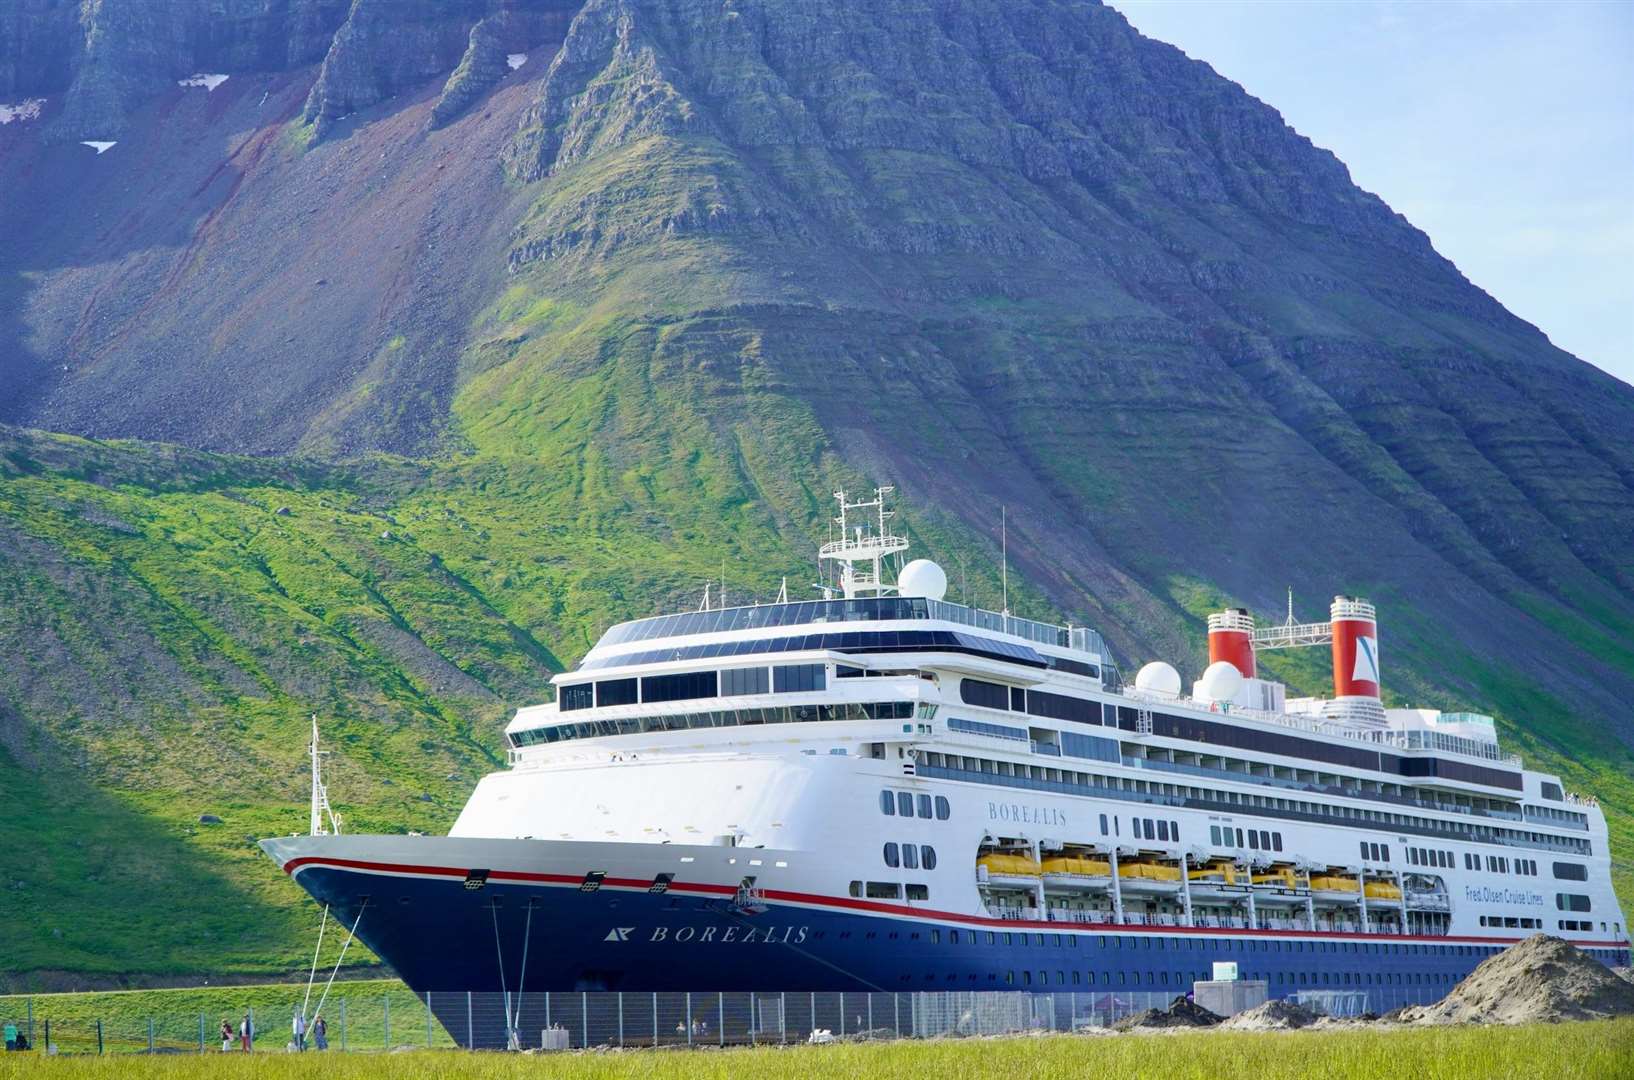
x=384, y=374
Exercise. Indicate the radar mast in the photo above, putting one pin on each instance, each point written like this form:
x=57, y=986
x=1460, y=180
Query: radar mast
x=861, y=549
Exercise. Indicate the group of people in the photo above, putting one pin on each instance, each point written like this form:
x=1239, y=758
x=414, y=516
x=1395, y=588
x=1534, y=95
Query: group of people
x=15, y=1038
x=245, y=1035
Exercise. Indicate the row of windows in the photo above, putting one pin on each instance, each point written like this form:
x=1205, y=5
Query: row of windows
x=882, y=641
x=801, y=613
x=909, y=856
x=773, y=714
x=1580, y=925
x=1252, y=839
x=1376, y=852
x=990, y=695
x=980, y=727
x=686, y=686
x=1165, y=831
x=889, y=890
x=1069, y=782
x=1418, y=856
x=1512, y=922
x=904, y=804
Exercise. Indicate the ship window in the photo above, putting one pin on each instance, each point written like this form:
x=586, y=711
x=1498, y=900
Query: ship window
x=884, y=890
x=1276, y=844
x=1213, y=831
x=798, y=678
x=944, y=810
x=749, y=680
x=1571, y=902
x=691, y=684
x=1571, y=871
x=918, y=892
x=1174, y=831
x=1018, y=699
x=904, y=804
x=910, y=857
x=887, y=804
x=924, y=806
x=856, y=888
x=893, y=858
x=1163, y=830
x=576, y=696
x=616, y=692
x=984, y=694
x=927, y=857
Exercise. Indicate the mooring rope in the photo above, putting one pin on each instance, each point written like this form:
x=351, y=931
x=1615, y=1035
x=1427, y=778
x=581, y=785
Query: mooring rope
x=338, y=960
x=522, y=977
x=312, y=976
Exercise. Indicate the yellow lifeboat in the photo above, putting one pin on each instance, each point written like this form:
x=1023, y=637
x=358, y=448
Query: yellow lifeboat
x=1276, y=875
x=1333, y=883
x=1149, y=871
x=1013, y=865
x=1068, y=864
x=1381, y=890
x=1216, y=873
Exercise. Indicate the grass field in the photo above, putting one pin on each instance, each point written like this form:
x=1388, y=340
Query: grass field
x=1567, y=1052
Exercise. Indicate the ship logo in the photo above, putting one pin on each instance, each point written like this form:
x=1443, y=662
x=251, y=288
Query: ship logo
x=1367, y=660
x=619, y=933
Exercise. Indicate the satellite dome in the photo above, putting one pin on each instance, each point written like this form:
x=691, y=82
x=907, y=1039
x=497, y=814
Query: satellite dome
x=1220, y=682
x=922, y=578
x=1158, y=678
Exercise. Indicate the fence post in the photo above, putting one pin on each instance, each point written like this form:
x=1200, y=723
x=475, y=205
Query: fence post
x=689, y=1018
x=814, y=1010
x=896, y=1013
x=385, y=1020
x=470, y=1030
x=150, y=1034
x=428, y=1019
x=343, y=1023
x=720, y=1014
x=621, y=1019
x=47, y=1036
x=584, y=1015
x=254, y=1031
x=31, y=1022
x=201, y=1033
x=783, y=1018
x=99, y=1038
x=655, y=1019
x=870, y=1011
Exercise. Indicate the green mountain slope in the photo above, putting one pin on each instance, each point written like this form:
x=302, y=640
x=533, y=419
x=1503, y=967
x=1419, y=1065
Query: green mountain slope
x=620, y=328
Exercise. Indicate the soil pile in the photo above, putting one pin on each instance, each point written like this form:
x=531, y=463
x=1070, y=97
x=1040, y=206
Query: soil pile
x=1181, y=1013
x=1273, y=1015
x=1540, y=980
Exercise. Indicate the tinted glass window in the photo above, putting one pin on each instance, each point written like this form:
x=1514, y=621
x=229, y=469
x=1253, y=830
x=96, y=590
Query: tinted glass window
x=943, y=810
x=735, y=681
x=904, y=804
x=910, y=857
x=927, y=856
x=893, y=858
x=924, y=806
x=985, y=694
x=887, y=804
x=692, y=684
x=797, y=678
x=616, y=692
x=577, y=696
x=1571, y=871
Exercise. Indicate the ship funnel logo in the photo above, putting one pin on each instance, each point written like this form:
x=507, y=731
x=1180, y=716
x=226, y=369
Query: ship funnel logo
x=1367, y=660
x=619, y=933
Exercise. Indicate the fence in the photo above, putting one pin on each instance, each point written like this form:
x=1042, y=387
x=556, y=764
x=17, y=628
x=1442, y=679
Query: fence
x=563, y=1021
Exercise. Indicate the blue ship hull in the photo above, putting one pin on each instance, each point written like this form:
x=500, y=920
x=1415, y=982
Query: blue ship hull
x=442, y=936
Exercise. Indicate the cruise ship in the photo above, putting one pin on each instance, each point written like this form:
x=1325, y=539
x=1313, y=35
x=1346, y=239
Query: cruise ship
x=881, y=790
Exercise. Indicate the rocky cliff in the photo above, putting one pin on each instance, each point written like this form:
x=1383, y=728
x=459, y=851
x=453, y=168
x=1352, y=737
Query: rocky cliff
x=615, y=286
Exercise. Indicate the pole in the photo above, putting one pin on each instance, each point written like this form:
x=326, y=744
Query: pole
x=655, y=1019
x=720, y=1015
x=343, y=1023
x=783, y=1018
x=385, y=1018
x=621, y=1019
x=201, y=1033
x=689, y=1018
x=150, y=1034
x=99, y=1038
x=31, y=1017
x=428, y=1019
x=47, y=1036
x=470, y=1031
x=584, y=1016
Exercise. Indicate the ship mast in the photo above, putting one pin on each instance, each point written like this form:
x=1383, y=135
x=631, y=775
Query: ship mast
x=320, y=794
x=868, y=545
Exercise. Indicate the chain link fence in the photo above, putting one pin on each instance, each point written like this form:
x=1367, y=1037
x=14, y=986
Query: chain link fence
x=572, y=1021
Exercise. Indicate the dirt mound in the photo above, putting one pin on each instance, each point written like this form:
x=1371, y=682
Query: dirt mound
x=1181, y=1013
x=1273, y=1015
x=1540, y=980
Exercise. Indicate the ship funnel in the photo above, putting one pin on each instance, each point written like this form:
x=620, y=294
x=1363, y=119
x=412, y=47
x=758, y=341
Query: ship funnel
x=1231, y=638
x=1355, y=664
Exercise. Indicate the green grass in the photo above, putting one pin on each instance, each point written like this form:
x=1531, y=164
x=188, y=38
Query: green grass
x=366, y=1004
x=1584, y=1051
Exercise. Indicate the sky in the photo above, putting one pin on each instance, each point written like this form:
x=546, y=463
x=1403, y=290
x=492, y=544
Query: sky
x=1504, y=130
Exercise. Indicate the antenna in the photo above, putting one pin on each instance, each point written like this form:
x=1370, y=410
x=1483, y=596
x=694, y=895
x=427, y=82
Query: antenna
x=320, y=794
x=855, y=545
x=783, y=591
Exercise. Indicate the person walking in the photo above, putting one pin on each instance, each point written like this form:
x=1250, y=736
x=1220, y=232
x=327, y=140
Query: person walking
x=226, y=1035
x=297, y=1027
x=246, y=1033
x=320, y=1033
x=11, y=1035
